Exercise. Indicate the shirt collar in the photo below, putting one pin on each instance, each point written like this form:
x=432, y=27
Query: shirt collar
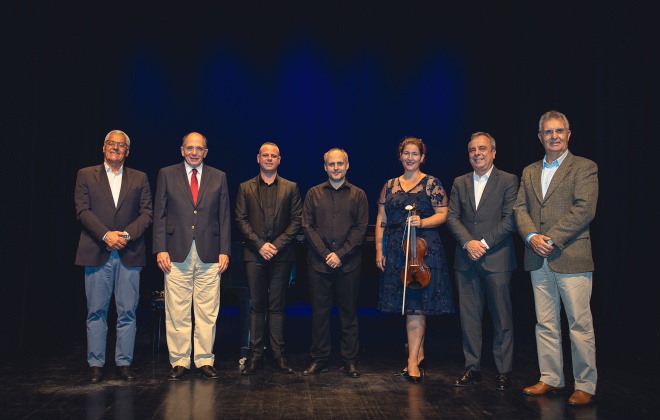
x=346, y=184
x=556, y=162
x=484, y=177
x=108, y=169
x=262, y=182
x=190, y=168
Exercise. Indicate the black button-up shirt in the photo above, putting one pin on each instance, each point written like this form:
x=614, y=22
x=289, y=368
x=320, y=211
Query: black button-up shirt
x=335, y=220
x=267, y=197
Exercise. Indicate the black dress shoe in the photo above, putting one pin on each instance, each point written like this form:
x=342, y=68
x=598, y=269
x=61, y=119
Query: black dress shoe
x=280, y=364
x=95, y=374
x=251, y=366
x=468, y=377
x=351, y=370
x=177, y=373
x=125, y=373
x=502, y=382
x=315, y=368
x=209, y=371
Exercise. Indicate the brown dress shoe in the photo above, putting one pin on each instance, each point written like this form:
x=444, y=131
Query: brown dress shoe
x=542, y=388
x=281, y=365
x=252, y=365
x=96, y=374
x=125, y=373
x=315, y=368
x=580, y=398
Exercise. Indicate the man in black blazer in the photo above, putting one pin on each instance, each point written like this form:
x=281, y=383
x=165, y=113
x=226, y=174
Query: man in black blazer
x=482, y=222
x=113, y=203
x=268, y=214
x=192, y=243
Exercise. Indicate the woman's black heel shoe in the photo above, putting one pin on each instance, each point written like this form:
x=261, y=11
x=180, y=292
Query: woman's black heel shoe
x=416, y=379
x=404, y=371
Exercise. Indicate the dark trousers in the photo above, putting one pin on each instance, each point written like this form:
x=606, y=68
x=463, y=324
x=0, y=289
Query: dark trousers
x=268, y=282
x=478, y=288
x=344, y=287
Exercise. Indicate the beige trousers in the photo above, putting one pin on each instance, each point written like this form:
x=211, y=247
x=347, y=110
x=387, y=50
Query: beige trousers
x=194, y=285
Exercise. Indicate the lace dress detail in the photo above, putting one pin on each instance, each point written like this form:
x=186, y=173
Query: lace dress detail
x=437, y=297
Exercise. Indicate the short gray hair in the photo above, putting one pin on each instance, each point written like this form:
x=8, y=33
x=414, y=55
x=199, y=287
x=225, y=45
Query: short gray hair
x=553, y=115
x=128, y=140
x=483, y=133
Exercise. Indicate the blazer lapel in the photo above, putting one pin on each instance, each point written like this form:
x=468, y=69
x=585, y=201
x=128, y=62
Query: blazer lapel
x=469, y=180
x=254, y=191
x=490, y=185
x=185, y=185
x=280, y=197
x=202, y=187
x=126, y=180
x=536, y=180
x=104, y=184
x=559, y=176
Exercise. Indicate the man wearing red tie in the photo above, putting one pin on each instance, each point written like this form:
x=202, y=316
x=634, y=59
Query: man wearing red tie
x=192, y=242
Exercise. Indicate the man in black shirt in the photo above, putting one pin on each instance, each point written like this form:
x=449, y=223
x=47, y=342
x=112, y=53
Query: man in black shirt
x=335, y=218
x=268, y=214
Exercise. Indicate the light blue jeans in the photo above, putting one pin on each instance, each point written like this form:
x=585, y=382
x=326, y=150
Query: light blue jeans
x=100, y=282
x=574, y=291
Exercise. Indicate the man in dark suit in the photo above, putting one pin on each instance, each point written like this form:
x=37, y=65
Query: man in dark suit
x=192, y=243
x=113, y=203
x=482, y=222
x=268, y=214
x=554, y=208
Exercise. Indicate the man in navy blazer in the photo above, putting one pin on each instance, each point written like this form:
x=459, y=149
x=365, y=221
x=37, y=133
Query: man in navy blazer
x=482, y=221
x=269, y=215
x=113, y=204
x=192, y=243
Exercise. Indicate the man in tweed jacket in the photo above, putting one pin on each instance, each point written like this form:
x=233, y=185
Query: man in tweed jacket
x=555, y=205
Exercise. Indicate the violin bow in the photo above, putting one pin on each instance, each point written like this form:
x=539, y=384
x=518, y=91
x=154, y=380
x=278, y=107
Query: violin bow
x=405, y=270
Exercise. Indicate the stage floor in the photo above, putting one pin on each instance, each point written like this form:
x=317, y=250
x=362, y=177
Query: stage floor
x=56, y=386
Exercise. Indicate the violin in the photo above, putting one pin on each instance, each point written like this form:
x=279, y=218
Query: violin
x=415, y=274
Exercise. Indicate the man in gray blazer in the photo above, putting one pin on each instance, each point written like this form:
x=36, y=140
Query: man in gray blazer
x=113, y=204
x=481, y=219
x=268, y=214
x=555, y=205
x=192, y=243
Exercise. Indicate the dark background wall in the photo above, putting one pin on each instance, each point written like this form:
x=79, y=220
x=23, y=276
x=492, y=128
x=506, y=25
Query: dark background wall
x=310, y=76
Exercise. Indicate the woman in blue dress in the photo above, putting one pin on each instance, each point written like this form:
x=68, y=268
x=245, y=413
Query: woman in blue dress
x=425, y=191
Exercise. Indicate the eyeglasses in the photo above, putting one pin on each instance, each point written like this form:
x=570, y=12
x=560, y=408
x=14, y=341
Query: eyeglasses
x=191, y=149
x=548, y=133
x=120, y=144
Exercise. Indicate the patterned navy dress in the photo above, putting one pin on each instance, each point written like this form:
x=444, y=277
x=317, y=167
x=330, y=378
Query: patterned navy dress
x=437, y=297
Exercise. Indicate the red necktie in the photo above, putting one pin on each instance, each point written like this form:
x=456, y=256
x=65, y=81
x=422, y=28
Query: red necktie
x=194, y=186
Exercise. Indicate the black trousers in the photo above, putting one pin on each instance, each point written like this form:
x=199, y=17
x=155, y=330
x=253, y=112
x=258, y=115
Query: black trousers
x=268, y=283
x=344, y=287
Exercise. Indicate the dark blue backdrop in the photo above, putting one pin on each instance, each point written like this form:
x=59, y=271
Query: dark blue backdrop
x=315, y=75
